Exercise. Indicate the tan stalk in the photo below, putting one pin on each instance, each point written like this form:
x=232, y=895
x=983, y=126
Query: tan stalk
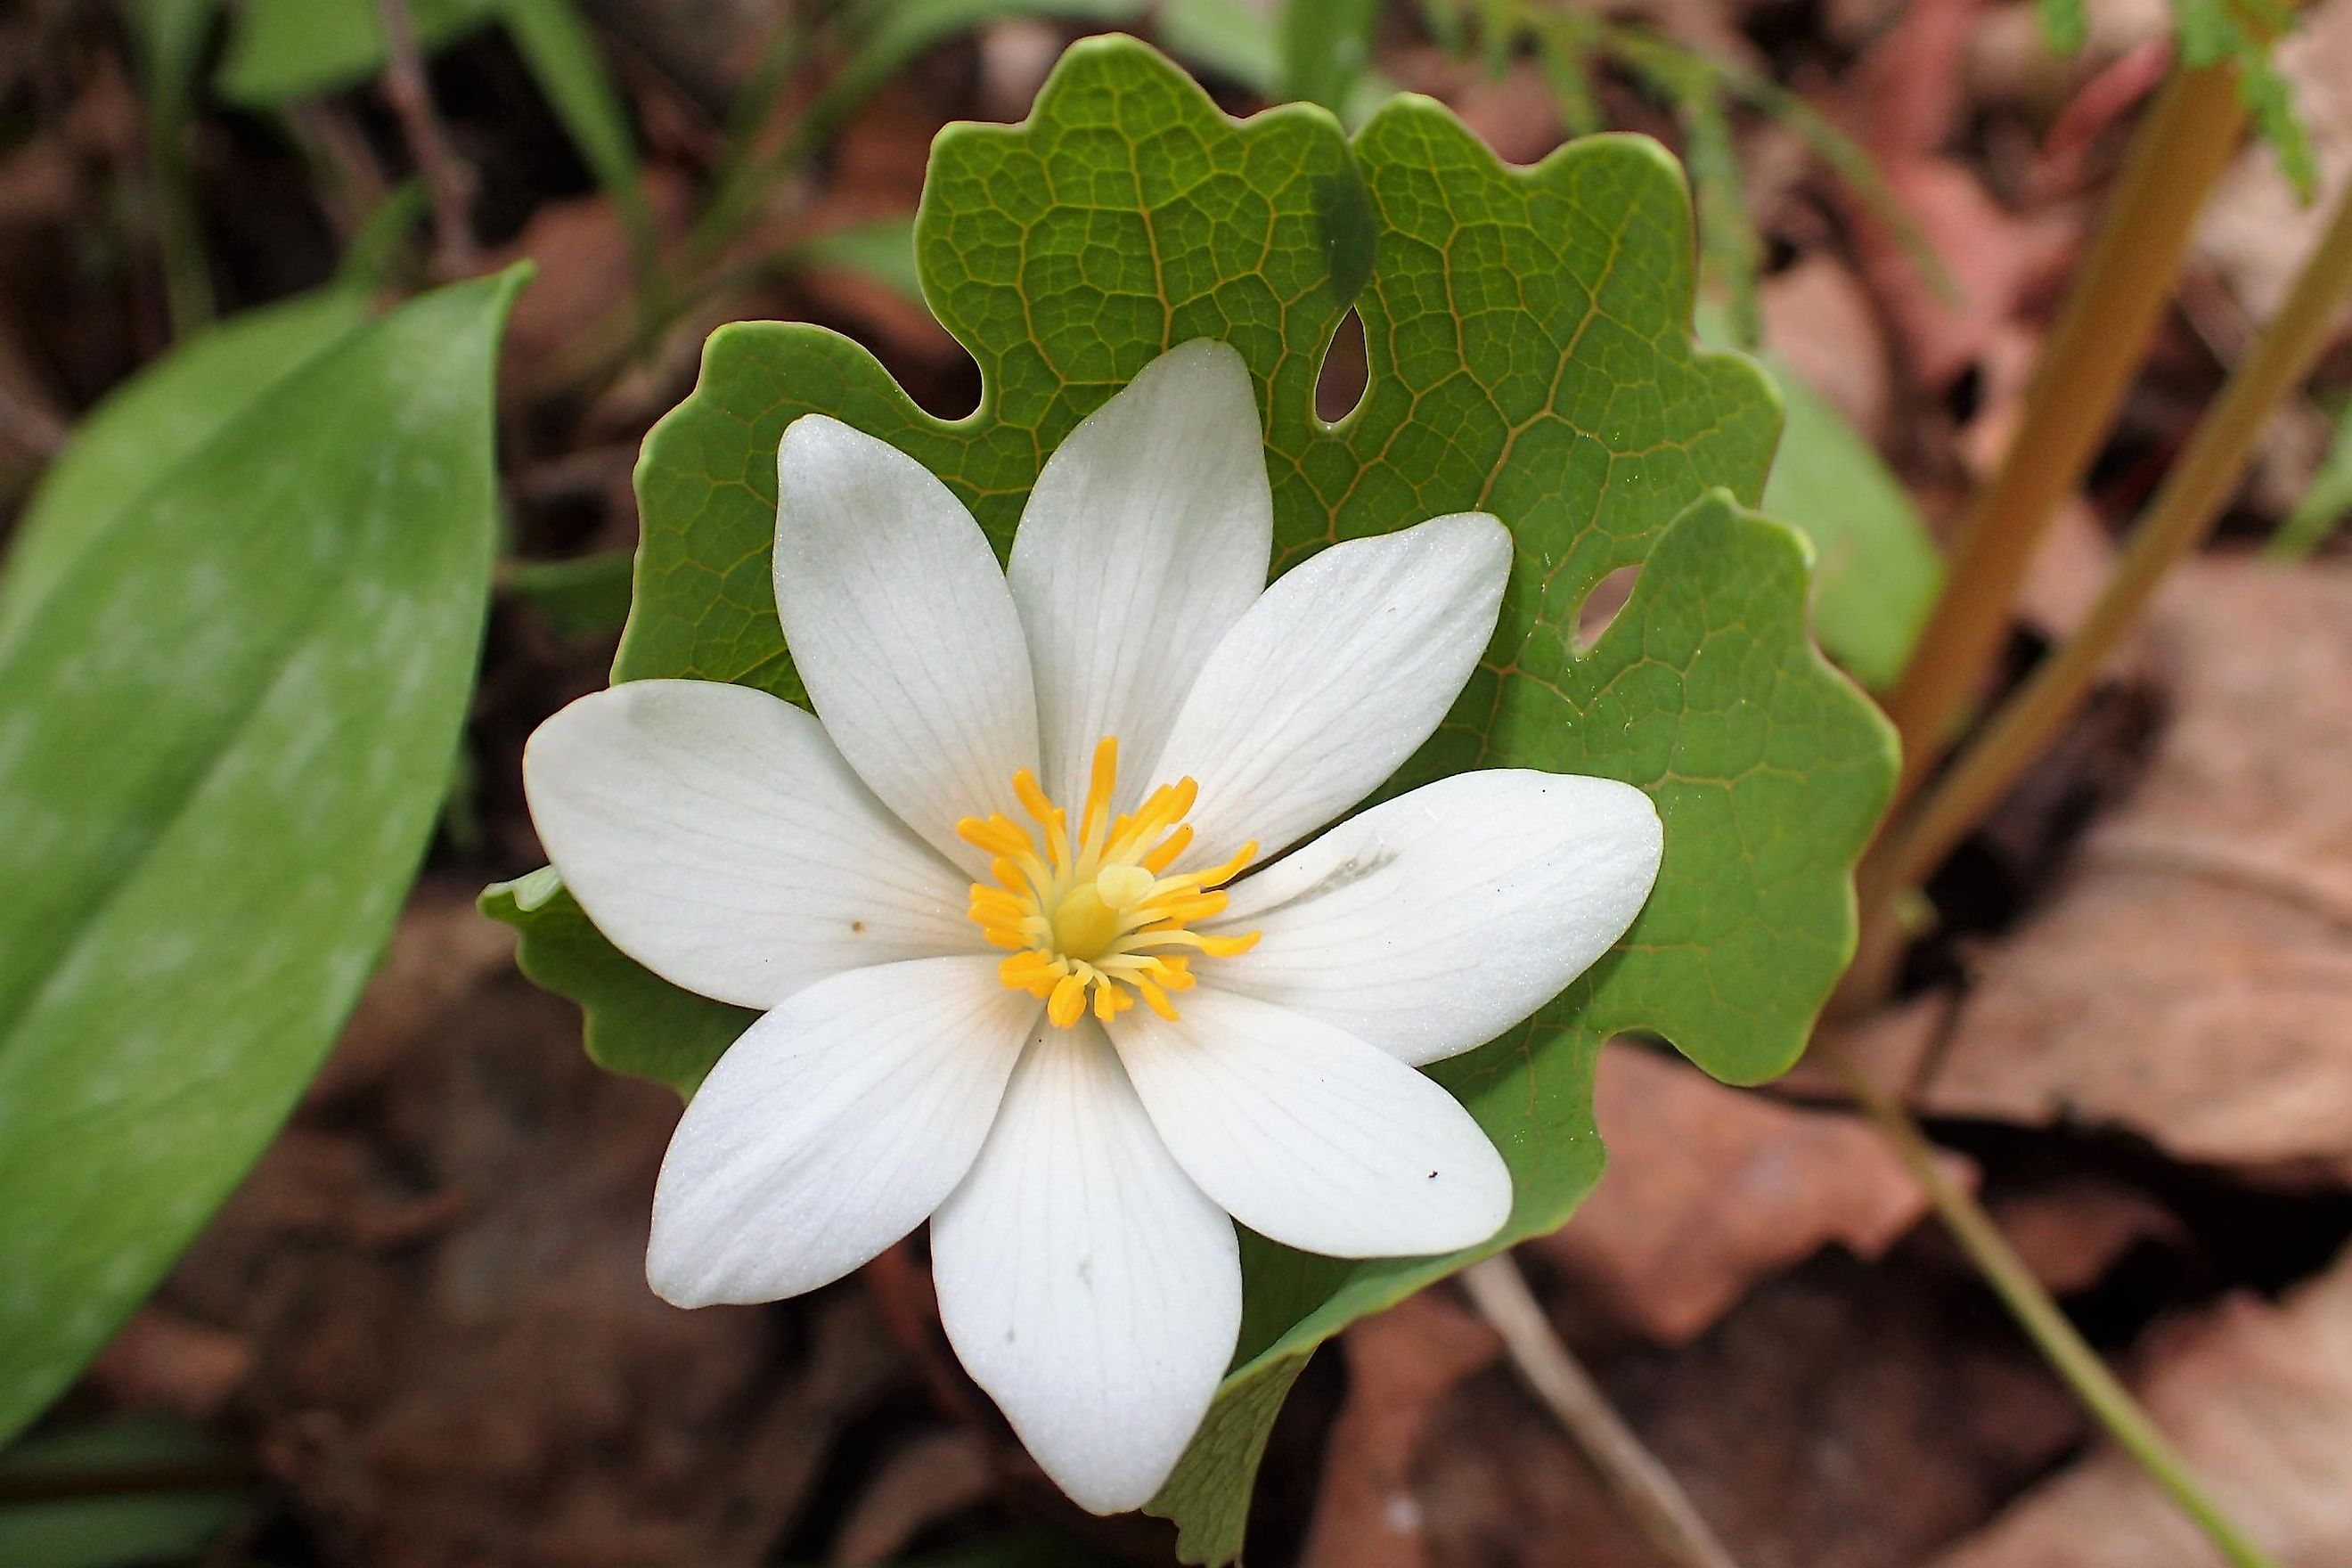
x=2177, y=522
x=2085, y=365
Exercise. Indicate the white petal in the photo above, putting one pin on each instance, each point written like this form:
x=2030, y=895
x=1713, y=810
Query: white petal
x=1083, y=1279
x=903, y=630
x=1338, y=672
x=714, y=834
x=1433, y=922
x=1147, y=536
x=833, y=1127
x=1307, y=1134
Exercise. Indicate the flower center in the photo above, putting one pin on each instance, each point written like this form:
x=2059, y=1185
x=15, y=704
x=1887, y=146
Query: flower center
x=1092, y=911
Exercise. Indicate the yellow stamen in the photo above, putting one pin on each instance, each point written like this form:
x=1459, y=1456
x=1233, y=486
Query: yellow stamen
x=1092, y=919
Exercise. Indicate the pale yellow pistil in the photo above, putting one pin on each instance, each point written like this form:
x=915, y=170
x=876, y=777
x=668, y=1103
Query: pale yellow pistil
x=1095, y=912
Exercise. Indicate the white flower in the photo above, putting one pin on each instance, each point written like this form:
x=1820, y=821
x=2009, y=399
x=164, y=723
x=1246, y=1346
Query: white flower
x=987, y=902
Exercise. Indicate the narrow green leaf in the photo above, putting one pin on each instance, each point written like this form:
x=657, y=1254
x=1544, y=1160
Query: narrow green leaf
x=2066, y=24
x=1326, y=46
x=122, y=1529
x=169, y=36
x=579, y=598
x=2327, y=500
x=1528, y=354
x=883, y=251
x=1564, y=51
x=563, y=59
x=153, y=421
x=279, y=50
x=1877, y=571
x=885, y=35
x=1241, y=43
x=225, y=733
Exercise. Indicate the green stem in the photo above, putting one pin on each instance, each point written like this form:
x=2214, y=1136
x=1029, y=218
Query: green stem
x=2177, y=522
x=2085, y=368
x=2076, y=1363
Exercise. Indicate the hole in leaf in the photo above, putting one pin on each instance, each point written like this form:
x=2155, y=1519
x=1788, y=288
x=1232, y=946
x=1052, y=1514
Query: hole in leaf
x=1340, y=384
x=1599, y=611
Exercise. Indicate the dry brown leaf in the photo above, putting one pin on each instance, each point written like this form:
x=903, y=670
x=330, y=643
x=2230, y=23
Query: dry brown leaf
x=454, y=1359
x=1710, y=1190
x=1402, y=1364
x=1993, y=256
x=1846, y=1415
x=163, y=1360
x=584, y=268
x=2072, y=1231
x=2258, y=1399
x=2191, y=979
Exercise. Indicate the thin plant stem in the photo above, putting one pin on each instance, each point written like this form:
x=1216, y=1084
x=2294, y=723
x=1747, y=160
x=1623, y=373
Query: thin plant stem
x=179, y=234
x=448, y=181
x=1642, y=1487
x=2085, y=366
x=2177, y=522
x=2073, y=1359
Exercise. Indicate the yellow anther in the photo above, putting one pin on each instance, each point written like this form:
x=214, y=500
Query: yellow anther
x=1093, y=919
x=1069, y=1000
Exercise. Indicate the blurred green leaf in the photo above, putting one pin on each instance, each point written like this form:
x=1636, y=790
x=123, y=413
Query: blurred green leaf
x=2326, y=502
x=284, y=49
x=580, y=597
x=1242, y=42
x=2066, y=24
x=1876, y=570
x=225, y=733
x=95, y=1519
x=1326, y=45
x=883, y=250
x=153, y=421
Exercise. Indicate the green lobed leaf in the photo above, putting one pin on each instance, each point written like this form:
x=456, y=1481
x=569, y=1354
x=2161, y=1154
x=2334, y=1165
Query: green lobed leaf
x=1529, y=350
x=225, y=733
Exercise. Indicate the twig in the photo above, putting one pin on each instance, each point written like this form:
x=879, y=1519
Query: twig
x=1642, y=1486
x=447, y=179
x=356, y=184
x=2073, y=1359
x=2177, y=522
